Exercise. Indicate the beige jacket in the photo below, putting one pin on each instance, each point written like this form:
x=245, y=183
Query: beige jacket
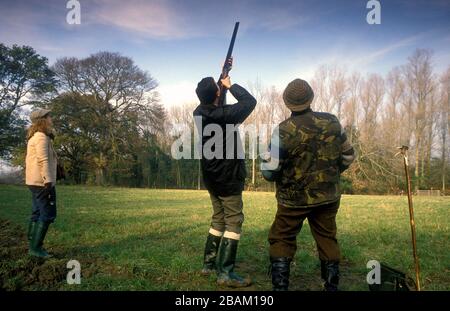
x=41, y=161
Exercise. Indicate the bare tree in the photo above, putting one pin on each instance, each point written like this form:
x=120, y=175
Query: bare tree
x=430, y=129
x=444, y=111
x=182, y=115
x=338, y=88
x=350, y=116
x=372, y=96
x=331, y=89
x=418, y=73
x=393, y=119
x=320, y=85
x=259, y=91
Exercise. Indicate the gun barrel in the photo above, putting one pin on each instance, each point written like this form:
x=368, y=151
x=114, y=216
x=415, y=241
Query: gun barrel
x=226, y=67
x=233, y=38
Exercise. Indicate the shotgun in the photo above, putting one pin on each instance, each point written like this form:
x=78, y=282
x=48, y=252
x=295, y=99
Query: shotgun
x=227, y=66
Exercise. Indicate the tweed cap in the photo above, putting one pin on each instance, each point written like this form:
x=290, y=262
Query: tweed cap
x=298, y=95
x=38, y=114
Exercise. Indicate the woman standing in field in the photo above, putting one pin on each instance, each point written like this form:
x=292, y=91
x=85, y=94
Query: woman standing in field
x=41, y=171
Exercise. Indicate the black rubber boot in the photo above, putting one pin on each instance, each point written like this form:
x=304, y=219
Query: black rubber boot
x=31, y=228
x=37, y=240
x=330, y=275
x=209, y=259
x=280, y=268
x=226, y=259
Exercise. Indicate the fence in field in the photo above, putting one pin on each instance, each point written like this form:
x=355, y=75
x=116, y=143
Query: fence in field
x=429, y=192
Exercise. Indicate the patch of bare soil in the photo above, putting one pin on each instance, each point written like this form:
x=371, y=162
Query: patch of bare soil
x=19, y=271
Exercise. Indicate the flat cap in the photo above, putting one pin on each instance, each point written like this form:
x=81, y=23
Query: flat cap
x=38, y=114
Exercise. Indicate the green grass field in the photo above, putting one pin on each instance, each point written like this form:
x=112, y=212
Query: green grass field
x=141, y=239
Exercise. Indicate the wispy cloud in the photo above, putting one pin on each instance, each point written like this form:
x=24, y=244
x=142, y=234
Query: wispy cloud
x=275, y=16
x=374, y=56
x=169, y=19
x=150, y=18
x=360, y=58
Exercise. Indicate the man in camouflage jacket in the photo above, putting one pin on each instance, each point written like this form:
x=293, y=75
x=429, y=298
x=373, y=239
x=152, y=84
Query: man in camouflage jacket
x=312, y=150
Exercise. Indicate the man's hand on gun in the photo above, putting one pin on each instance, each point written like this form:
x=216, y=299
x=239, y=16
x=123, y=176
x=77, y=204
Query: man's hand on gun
x=229, y=63
x=226, y=82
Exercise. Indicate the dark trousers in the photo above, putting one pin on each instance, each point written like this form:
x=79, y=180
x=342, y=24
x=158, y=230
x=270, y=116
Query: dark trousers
x=44, y=208
x=288, y=223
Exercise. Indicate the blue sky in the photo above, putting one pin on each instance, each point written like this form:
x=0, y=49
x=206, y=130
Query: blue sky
x=179, y=42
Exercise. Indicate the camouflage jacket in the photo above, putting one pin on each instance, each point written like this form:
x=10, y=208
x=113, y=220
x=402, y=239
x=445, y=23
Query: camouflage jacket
x=313, y=150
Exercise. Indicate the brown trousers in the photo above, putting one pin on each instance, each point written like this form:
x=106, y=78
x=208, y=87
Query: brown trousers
x=288, y=223
x=227, y=213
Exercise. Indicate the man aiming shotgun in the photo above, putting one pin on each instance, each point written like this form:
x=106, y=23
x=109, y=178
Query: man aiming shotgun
x=223, y=175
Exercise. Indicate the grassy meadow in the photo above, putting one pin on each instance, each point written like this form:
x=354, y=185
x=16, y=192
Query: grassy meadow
x=147, y=239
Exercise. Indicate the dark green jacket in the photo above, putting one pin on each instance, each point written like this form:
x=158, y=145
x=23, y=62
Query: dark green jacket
x=313, y=151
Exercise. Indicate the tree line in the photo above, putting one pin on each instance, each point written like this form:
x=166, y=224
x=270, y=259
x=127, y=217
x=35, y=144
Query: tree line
x=111, y=128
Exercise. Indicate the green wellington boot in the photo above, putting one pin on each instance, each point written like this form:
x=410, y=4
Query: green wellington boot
x=209, y=259
x=226, y=259
x=37, y=240
x=31, y=228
